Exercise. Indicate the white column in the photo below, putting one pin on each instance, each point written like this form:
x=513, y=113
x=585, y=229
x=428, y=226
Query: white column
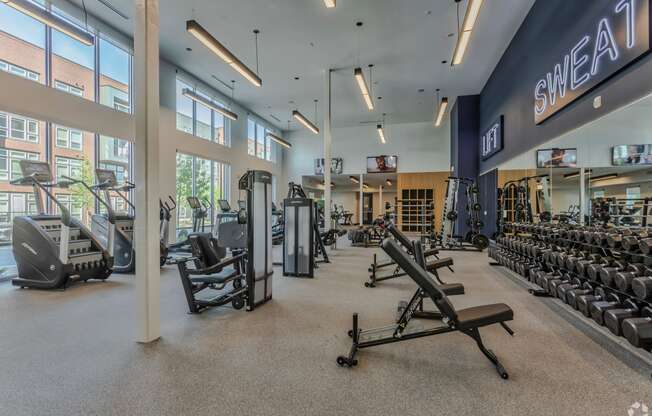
x=361, y=205
x=327, y=149
x=380, y=198
x=146, y=233
x=583, y=206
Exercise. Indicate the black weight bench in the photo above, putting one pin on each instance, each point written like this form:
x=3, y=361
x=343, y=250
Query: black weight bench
x=405, y=242
x=467, y=321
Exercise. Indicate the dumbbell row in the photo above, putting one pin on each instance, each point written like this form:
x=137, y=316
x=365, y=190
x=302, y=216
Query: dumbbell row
x=622, y=315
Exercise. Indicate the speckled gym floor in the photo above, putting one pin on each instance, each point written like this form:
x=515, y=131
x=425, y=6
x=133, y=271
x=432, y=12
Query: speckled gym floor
x=73, y=353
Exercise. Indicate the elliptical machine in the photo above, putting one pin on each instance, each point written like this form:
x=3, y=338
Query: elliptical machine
x=51, y=251
x=123, y=248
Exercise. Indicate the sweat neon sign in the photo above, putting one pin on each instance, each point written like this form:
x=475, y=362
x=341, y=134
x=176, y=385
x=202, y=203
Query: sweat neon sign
x=619, y=35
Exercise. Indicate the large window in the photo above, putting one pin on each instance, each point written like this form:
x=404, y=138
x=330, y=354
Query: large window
x=10, y=163
x=115, y=65
x=258, y=144
x=22, y=44
x=73, y=68
x=199, y=120
x=207, y=180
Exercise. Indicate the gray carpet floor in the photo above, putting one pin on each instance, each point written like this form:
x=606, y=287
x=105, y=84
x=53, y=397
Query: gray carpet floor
x=73, y=353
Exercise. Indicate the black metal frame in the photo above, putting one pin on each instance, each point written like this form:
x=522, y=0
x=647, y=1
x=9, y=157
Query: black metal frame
x=237, y=296
x=291, y=206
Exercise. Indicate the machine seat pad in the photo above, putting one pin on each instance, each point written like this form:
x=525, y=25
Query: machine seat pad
x=439, y=263
x=452, y=289
x=484, y=315
x=216, y=279
x=431, y=252
x=123, y=217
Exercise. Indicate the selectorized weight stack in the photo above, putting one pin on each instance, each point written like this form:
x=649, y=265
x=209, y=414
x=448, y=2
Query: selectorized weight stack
x=298, y=255
x=260, y=271
x=474, y=239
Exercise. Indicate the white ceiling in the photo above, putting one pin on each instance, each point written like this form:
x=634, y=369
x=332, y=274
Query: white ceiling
x=405, y=40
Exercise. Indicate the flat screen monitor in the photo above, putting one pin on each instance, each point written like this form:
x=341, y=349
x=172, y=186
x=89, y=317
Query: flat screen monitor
x=557, y=158
x=106, y=177
x=632, y=154
x=382, y=164
x=242, y=204
x=224, y=205
x=40, y=170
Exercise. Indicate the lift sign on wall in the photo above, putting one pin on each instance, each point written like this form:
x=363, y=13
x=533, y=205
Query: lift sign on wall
x=492, y=139
x=618, y=35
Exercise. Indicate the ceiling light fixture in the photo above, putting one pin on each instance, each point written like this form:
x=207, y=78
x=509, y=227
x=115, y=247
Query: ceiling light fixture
x=575, y=174
x=364, y=185
x=441, y=111
x=221, y=51
x=604, y=177
x=330, y=3
x=303, y=120
x=279, y=140
x=354, y=179
x=208, y=103
x=464, y=33
x=381, y=131
x=388, y=182
x=52, y=20
x=362, y=83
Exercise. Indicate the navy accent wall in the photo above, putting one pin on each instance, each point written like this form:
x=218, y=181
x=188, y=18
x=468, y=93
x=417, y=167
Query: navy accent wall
x=488, y=198
x=465, y=149
x=548, y=32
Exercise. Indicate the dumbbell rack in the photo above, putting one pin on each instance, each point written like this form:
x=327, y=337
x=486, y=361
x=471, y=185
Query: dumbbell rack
x=536, y=251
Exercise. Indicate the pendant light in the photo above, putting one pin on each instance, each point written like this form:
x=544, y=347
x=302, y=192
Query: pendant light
x=464, y=33
x=441, y=110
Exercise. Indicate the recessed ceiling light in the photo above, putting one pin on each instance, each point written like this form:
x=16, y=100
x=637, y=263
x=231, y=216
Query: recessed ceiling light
x=450, y=35
x=428, y=12
x=421, y=90
x=189, y=49
x=380, y=98
x=296, y=78
x=444, y=61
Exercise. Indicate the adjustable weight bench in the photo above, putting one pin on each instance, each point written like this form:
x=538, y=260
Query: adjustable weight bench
x=468, y=321
x=405, y=242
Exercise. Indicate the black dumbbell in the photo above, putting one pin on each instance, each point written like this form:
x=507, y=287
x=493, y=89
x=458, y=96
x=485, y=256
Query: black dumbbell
x=544, y=278
x=623, y=280
x=642, y=287
x=563, y=288
x=583, y=301
x=645, y=245
x=553, y=283
x=598, y=308
x=613, y=319
x=587, y=288
x=638, y=331
x=630, y=243
x=608, y=273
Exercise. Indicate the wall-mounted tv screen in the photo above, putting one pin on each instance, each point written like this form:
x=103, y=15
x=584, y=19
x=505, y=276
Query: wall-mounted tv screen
x=632, y=154
x=557, y=158
x=381, y=164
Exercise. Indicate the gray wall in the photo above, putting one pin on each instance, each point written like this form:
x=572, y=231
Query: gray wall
x=548, y=32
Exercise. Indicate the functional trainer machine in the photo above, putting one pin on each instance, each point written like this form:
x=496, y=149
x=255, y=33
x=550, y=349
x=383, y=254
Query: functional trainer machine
x=299, y=240
x=123, y=239
x=295, y=191
x=447, y=238
x=52, y=251
x=467, y=321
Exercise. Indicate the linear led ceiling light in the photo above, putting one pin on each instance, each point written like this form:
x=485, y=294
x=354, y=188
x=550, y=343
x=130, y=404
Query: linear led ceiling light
x=306, y=123
x=575, y=174
x=330, y=3
x=279, y=140
x=354, y=179
x=441, y=111
x=604, y=177
x=52, y=20
x=381, y=133
x=362, y=83
x=221, y=51
x=208, y=103
x=464, y=33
